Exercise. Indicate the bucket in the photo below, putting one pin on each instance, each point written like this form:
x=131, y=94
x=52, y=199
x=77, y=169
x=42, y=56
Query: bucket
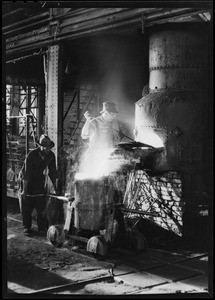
x=93, y=199
x=54, y=211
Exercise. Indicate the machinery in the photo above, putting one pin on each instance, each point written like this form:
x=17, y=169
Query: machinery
x=96, y=215
x=100, y=231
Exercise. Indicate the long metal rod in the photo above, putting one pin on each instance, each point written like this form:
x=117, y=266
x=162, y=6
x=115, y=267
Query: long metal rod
x=138, y=212
x=62, y=198
x=10, y=218
x=78, y=238
x=27, y=135
x=26, y=56
x=124, y=135
x=78, y=106
x=72, y=285
x=64, y=117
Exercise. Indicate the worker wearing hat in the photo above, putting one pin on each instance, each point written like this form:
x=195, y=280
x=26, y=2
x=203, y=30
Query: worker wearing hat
x=102, y=131
x=38, y=162
x=102, y=134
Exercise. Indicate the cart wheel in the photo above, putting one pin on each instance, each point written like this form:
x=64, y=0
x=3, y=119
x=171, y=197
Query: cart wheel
x=55, y=235
x=97, y=246
x=136, y=240
x=140, y=241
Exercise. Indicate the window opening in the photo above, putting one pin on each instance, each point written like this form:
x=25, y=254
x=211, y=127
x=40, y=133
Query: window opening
x=22, y=100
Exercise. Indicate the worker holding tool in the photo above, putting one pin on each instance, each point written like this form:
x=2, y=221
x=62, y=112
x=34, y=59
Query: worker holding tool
x=39, y=164
x=103, y=133
x=104, y=130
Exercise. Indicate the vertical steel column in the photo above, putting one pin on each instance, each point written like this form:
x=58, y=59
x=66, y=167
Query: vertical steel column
x=41, y=106
x=60, y=99
x=27, y=134
x=28, y=99
x=52, y=96
x=78, y=105
x=15, y=106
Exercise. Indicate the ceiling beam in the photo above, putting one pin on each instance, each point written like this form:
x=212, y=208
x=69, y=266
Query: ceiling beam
x=9, y=29
x=93, y=21
x=13, y=12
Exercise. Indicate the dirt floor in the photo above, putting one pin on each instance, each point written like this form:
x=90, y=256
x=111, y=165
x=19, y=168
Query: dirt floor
x=33, y=264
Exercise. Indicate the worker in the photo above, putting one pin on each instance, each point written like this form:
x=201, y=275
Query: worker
x=39, y=164
x=104, y=130
x=103, y=133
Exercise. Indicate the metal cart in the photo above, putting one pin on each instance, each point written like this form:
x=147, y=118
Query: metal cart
x=93, y=217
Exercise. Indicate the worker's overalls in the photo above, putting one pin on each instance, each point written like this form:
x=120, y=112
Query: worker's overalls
x=35, y=171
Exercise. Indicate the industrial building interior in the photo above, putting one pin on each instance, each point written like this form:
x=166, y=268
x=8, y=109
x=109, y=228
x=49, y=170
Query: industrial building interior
x=154, y=61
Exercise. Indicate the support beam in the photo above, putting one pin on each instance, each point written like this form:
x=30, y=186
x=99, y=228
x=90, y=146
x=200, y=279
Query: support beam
x=93, y=21
x=20, y=24
x=52, y=95
x=60, y=101
x=41, y=106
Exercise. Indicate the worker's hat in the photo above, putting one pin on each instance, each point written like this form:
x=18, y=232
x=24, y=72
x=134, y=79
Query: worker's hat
x=110, y=107
x=45, y=141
